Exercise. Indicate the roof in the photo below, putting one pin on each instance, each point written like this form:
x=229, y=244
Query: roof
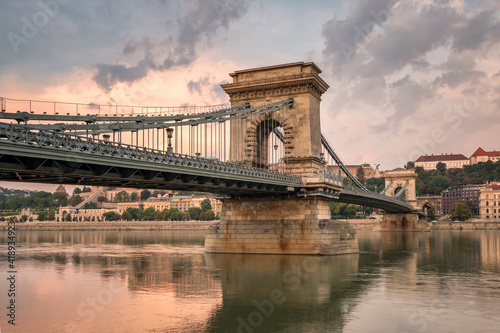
x=442, y=157
x=481, y=152
x=494, y=187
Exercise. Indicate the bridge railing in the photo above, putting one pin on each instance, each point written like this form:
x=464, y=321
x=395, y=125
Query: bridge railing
x=20, y=134
x=375, y=194
x=73, y=109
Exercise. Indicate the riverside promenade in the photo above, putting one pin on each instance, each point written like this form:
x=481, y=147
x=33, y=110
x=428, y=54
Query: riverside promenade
x=118, y=225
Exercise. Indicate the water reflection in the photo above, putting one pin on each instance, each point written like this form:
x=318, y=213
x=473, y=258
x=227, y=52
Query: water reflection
x=284, y=293
x=161, y=281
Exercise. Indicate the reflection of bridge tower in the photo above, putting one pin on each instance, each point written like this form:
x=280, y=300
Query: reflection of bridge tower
x=294, y=223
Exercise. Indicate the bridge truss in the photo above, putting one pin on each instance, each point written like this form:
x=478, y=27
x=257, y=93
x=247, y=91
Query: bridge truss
x=186, y=148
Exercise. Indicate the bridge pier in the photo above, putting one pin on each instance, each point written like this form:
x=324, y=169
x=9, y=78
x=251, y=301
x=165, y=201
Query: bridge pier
x=283, y=225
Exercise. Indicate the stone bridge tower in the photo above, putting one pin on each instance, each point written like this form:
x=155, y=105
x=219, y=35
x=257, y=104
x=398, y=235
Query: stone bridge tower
x=299, y=222
x=300, y=123
x=398, y=179
x=395, y=181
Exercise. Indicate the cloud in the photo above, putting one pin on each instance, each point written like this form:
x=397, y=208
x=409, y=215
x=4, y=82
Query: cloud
x=199, y=23
x=196, y=86
x=391, y=41
x=344, y=36
x=481, y=29
x=417, y=62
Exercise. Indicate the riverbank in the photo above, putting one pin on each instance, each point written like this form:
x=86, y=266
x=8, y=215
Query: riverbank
x=144, y=225
x=368, y=224
x=365, y=224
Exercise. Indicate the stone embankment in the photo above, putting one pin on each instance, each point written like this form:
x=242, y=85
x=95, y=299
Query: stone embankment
x=368, y=224
x=144, y=225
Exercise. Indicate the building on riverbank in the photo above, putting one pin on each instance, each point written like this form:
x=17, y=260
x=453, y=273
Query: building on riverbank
x=489, y=202
x=462, y=194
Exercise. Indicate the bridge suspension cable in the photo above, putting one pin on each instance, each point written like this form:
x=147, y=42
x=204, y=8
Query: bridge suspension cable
x=333, y=155
x=339, y=162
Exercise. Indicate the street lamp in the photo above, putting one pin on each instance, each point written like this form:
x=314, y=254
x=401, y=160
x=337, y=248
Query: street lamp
x=249, y=157
x=170, y=132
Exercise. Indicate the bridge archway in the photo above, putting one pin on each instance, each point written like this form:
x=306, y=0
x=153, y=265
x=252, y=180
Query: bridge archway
x=263, y=148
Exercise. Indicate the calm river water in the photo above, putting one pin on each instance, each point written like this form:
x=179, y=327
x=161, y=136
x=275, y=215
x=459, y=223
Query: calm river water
x=162, y=281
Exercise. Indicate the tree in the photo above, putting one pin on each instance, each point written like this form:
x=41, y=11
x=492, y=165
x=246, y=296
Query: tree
x=42, y=216
x=334, y=208
x=149, y=214
x=158, y=192
x=77, y=191
x=441, y=168
x=75, y=200
x=51, y=216
x=90, y=205
x=61, y=199
x=431, y=213
x=205, y=205
x=134, y=196
x=145, y=195
x=209, y=215
x=111, y=216
x=460, y=211
x=438, y=184
x=127, y=216
x=24, y=218
x=86, y=189
x=121, y=196
x=360, y=173
x=176, y=215
x=135, y=212
x=375, y=184
x=67, y=218
x=410, y=165
x=160, y=216
x=195, y=213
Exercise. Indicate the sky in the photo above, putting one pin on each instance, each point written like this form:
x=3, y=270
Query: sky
x=406, y=78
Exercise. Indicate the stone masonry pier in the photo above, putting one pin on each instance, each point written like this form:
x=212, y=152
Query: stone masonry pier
x=280, y=226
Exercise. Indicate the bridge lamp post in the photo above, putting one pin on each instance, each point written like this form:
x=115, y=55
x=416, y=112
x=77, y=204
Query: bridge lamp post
x=170, y=132
x=275, y=159
x=249, y=157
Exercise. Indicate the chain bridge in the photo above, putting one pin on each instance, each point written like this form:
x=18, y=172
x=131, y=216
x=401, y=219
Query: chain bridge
x=264, y=149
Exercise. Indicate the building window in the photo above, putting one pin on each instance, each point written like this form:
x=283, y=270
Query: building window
x=487, y=216
x=487, y=203
x=487, y=210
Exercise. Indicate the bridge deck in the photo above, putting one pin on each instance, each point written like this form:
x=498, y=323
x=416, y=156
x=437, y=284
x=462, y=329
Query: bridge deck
x=51, y=157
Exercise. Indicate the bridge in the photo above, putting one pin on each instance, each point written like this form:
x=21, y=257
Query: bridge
x=264, y=155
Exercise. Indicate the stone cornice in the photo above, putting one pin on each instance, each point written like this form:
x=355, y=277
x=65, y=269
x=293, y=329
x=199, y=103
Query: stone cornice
x=290, y=85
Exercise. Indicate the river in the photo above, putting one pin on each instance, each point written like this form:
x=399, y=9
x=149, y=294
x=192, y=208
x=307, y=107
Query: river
x=162, y=281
